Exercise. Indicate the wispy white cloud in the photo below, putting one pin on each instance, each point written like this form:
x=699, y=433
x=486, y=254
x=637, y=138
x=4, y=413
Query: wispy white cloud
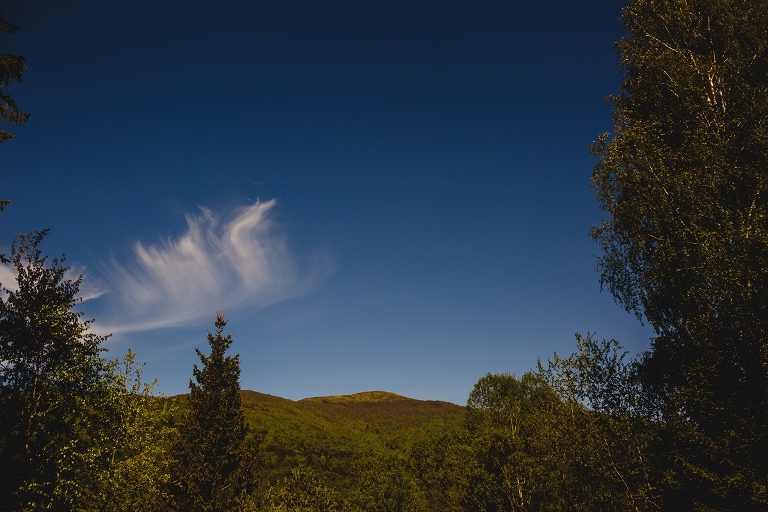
x=8, y=276
x=90, y=288
x=218, y=263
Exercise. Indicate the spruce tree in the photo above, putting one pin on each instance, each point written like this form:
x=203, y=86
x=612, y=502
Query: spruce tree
x=11, y=69
x=212, y=468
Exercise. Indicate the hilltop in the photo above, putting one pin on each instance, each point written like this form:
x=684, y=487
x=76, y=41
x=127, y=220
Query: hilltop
x=366, y=396
x=331, y=433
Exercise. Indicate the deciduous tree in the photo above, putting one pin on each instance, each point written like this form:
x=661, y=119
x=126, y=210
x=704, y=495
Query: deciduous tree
x=609, y=427
x=384, y=484
x=444, y=463
x=683, y=181
x=301, y=491
x=514, y=430
x=138, y=471
x=56, y=416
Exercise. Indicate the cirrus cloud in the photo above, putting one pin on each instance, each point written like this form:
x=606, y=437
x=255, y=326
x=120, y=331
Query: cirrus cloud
x=219, y=262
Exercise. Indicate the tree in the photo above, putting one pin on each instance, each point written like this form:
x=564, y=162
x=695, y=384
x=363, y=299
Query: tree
x=139, y=463
x=608, y=424
x=685, y=243
x=383, y=483
x=514, y=427
x=56, y=413
x=443, y=463
x=301, y=491
x=212, y=466
x=11, y=69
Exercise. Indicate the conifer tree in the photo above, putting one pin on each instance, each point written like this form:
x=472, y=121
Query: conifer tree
x=212, y=468
x=11, y=69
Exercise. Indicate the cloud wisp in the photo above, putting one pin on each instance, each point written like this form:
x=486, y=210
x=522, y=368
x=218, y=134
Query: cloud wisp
x=218, y=263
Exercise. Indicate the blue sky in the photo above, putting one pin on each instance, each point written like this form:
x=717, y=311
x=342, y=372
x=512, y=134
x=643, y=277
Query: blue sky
x=379, y=195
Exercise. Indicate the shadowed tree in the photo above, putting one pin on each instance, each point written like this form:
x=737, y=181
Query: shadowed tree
x=443, y=463
x=384, y=484
x=11, y=69
x=57, y=415
x=683, y=182
x=212, y=468
x=607, y=425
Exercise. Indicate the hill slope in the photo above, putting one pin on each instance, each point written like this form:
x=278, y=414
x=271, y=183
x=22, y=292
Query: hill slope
x=330, y=434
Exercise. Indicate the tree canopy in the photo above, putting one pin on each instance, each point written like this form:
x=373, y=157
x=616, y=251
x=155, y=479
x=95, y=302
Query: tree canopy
x=58, y=416
x=685, y=241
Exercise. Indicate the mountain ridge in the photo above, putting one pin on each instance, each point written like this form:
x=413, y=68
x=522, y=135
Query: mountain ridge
x=331, y=434
x=374, y=396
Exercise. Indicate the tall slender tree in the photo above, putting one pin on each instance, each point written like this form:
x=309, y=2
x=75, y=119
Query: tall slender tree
x=212, y=467
x=683, y=181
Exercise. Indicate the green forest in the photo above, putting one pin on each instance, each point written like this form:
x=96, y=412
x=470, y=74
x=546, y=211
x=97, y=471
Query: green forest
x=682, y=183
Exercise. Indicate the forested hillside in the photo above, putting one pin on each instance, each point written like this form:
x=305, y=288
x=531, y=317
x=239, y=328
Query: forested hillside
x=330, y=435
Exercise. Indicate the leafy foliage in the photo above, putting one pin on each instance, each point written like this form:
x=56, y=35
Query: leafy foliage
x=513, y=430
x=608, y=424
x=55, y=389
x=139, y=468
x=570, y=436
x=384, y=484
x=301, y=491
x=685, y=243
x=444, y=464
